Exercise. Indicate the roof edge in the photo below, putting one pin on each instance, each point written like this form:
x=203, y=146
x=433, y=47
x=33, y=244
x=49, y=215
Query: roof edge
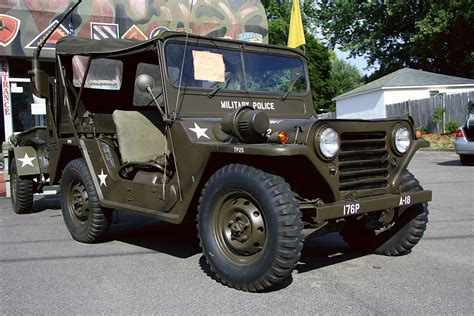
x=343, y=96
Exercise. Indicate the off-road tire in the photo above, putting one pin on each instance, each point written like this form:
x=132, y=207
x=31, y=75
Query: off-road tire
x=239, y=194
x=21, y=190
x=85, y=219
x=466, y=160
x=401, y=236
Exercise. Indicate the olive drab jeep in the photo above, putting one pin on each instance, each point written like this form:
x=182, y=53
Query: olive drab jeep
x=224, y=132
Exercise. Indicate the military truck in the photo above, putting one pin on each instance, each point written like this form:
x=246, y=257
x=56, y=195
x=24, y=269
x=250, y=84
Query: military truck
x=224, y=132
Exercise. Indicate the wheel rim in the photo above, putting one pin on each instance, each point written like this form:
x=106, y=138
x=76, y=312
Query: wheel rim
x=78, y=201
x=239, y=228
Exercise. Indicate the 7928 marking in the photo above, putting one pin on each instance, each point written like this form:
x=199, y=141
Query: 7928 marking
x=351, y=209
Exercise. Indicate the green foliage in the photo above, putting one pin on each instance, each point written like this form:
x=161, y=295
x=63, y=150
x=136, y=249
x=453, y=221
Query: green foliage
x=319, y=64
x=345, y=76
x=438, y=114
x=422, y=129
x=451, y=126
x=432, y=35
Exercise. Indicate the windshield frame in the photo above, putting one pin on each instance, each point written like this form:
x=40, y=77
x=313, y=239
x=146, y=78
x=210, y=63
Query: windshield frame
x=241, y=49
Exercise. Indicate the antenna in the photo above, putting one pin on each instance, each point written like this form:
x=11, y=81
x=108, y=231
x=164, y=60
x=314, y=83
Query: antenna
x=43, y=42
x=177, y=105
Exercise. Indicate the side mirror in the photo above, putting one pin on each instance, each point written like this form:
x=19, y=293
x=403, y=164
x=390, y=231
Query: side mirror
x=144, y=83
x=40, y=83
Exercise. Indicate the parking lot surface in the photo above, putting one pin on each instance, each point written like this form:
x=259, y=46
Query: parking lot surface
x=151, y=267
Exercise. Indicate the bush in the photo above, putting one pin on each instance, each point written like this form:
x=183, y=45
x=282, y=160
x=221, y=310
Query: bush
x=451, y=126
x=422, y=129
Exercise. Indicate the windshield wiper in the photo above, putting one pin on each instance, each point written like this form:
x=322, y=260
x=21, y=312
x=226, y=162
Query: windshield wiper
x=283, y=97
x=216, y=89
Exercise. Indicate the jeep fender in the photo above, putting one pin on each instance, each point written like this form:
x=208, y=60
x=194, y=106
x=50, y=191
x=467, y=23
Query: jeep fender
x=26, y=159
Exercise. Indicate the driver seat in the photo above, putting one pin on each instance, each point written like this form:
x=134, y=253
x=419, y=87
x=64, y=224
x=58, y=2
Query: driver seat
x=141, y=138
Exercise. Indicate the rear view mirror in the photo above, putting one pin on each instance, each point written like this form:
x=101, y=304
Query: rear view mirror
x=39, y=83
x=145, y=83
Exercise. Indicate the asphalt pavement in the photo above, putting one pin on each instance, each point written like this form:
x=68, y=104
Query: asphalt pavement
x=157, y=268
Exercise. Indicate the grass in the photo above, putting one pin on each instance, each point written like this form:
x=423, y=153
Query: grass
x=440, y=141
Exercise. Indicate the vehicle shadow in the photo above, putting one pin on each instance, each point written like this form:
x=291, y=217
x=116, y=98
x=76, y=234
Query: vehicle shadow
x=455, y=162
x=44, y=202
x=175, y=240
x=181, y=241
x=324, y=251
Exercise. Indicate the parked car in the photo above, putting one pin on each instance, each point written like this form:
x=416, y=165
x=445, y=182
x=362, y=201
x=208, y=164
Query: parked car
x=464, y=143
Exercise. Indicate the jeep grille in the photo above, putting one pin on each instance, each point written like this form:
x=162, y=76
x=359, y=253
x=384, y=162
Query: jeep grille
x=363, y=161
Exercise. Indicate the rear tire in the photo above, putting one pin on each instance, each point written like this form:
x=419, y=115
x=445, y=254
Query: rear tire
x=250, y=227
x=85, y=219
x=466, y=160
x=397, y=237
x=21, y=190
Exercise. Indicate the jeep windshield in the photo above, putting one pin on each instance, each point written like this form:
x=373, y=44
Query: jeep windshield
x=218, y=69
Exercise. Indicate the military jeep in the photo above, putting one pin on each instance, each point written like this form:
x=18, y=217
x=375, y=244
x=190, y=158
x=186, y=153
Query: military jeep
x=222, y=132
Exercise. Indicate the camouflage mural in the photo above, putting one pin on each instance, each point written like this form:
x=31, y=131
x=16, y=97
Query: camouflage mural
x=23, y=23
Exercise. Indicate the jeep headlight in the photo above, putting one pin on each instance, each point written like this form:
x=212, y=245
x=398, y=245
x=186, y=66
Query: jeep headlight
x=402, y=139
x=328, y=142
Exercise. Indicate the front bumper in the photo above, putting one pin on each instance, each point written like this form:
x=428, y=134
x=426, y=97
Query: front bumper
x=364, y=205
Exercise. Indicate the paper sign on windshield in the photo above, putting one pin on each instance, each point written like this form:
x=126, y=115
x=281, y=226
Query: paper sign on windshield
x=208, y=66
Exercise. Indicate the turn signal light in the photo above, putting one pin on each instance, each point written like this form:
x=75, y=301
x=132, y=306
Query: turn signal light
x=459, y=133
x=282, y=137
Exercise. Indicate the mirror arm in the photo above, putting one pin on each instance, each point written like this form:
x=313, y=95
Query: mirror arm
x=163, y=115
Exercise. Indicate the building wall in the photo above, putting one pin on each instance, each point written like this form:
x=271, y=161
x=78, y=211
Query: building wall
x=365, y=106
x=372, y=105
x=456, y=90
x=402, y=95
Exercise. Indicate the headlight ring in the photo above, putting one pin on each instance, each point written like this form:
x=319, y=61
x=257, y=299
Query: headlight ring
x=401, y=139
x=327, y=141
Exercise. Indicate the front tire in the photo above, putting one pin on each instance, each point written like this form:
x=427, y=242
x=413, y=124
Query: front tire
x=21, y=190
x=84, y=217
x=396, y=237
x=250, y=227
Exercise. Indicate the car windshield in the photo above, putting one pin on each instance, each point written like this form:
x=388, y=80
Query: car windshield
x=224, y=69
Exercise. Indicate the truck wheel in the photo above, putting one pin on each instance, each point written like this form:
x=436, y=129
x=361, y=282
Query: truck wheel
x=21, y=191
x=250, y=227
x=84, y=217
x=395, y=232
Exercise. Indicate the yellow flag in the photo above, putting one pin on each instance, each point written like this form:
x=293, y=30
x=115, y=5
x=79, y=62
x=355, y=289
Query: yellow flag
x=296, y=35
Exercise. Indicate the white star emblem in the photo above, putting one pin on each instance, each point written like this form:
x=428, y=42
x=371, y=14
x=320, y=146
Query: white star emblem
x=102, y=177
x=199, y=131
x=26, y=161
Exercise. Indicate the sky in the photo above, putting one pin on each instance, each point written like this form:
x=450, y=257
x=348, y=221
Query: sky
x=359, y=62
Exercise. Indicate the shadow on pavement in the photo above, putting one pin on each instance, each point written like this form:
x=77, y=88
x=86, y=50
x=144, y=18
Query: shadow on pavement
x=456, y=162
x=176, y=240
x=324, y=251
x=45, y=202
x=181, y=241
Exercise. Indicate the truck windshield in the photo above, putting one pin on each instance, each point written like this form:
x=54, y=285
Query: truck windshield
x=220, y=69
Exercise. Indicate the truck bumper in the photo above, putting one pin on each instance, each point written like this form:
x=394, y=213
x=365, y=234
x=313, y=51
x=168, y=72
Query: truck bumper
x=342, y=209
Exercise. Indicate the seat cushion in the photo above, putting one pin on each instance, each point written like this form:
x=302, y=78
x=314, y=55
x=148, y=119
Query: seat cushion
x=140, y=140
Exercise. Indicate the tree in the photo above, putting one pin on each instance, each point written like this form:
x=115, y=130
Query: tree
x=432, y=35
x=319, y=65
x=345, y=76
